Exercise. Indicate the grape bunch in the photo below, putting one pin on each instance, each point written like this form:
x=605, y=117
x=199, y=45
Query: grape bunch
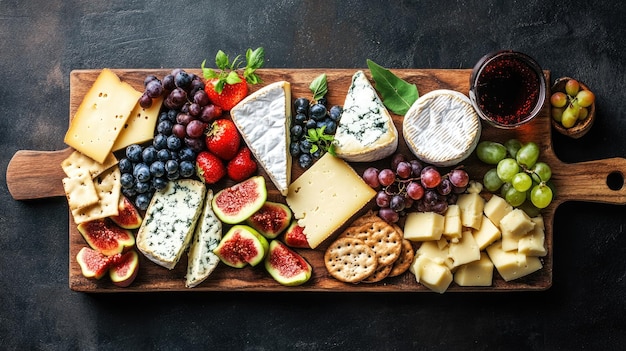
x=517, y=174
x=312, y=129
x=571, y=105
x=188, y=108
x=410, y=185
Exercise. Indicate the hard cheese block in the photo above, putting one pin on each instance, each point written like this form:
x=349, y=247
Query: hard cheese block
x=441, y=127
x=365, y=131
x=140, y=125
x=263, y=119
x=326, y=196
x=170, y=220
x=101, y=116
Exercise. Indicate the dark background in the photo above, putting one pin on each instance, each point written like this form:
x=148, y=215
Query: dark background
x=42, y=41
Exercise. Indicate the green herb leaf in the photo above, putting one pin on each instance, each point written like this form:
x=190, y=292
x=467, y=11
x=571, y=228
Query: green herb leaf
x=256, y=58
x=221, y=60
x=232, y=78
x=319, y=87
x=397, y=94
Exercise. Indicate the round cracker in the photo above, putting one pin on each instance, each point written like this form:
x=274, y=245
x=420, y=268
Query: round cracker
x=350, y=260
x=404, y=261
x=381, y=237
x=379, y=274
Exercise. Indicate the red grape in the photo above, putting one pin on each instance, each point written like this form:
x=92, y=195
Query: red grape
x=397, y=203
x=414, y=190
x=383, y=199
x=396, y=159
x=430, y=177
x=183, y=118
x=403, y=169
x=416, y=167
x=370, y=176
x=195, y=128
x=386, y=177
x=179, y=130
x=459, y=178
x=388, y=215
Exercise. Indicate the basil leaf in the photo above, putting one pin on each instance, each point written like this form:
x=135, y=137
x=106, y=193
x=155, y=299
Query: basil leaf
x=221, y=60
x=397, y=94
x=319, y=86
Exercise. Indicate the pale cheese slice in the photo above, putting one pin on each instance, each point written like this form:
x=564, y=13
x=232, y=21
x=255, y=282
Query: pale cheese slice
x=441, y=127
x=101, y=116
x=263, y=118
x=202, y=261
x=365, y=131
x=140, y=125
x=325, y=196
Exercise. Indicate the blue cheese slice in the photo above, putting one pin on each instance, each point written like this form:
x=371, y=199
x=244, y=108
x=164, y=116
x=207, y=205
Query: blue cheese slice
x=441, y=128
x=170, y=220
x=365, y=131
x=263, y=119
x=202, y=261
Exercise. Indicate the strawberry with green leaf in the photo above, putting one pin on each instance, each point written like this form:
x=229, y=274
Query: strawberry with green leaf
x=226, y=86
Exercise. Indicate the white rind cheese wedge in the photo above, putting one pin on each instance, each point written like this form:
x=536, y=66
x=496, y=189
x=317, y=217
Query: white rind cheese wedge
x=365, y=131
x=441, y=128
x=263, y=119
x=202, y=261
x=169, y=222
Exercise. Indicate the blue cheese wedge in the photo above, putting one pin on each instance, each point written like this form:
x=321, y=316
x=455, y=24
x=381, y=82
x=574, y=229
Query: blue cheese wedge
x=202, y=261
x=263, y=119
x=366, y=131
x=170, y=220
x=441, y=128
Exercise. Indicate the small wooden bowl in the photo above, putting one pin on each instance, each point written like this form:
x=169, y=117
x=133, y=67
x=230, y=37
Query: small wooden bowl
x=581, y=127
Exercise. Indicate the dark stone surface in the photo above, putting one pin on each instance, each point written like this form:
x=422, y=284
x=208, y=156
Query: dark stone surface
x=42, y=41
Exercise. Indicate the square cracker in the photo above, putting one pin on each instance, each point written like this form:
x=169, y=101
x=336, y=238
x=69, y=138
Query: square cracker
x=80, y=191
x=80, y=163
x=109, y=189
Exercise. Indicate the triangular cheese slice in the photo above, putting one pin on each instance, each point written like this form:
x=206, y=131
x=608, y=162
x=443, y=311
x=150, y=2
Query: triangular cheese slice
x=263, y=119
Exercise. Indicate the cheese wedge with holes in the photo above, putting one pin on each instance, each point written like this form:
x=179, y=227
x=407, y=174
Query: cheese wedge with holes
x=325, y=196
x=101, y=116
x=140, y=125
x=441, y=127
x=365, y=131
x=263, y=118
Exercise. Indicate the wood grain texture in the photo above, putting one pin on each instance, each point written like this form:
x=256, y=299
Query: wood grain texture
x=574, y=182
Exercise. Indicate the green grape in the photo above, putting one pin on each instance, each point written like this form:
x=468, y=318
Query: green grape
x=557, y=113
x=491, y=181
x=515, y=198
x=506, y=169
x=505, y=187
x=512, y=147
x=585, y=98
x=528, y=155
x=584, y=112
x=570, y=116
x=490, y=152
x=558, y=99
x=521, y=182
x=541, y=196
x=541, y=172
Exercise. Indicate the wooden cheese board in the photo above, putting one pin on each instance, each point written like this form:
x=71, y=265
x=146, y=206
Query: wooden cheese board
x=586, y=181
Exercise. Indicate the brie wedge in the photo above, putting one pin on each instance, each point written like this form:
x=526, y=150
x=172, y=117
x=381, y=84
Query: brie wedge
x=263, y=119
x=441, y=128
x=365, y=131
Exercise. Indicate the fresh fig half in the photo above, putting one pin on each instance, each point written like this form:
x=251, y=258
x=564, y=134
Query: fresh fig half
x=93, y=264
x=242, y=245
x=106, y=237
x=235, y=204
x=128, y=217
x=286, y=266
x=271, y=219
x=295, y=237
x=124, y=271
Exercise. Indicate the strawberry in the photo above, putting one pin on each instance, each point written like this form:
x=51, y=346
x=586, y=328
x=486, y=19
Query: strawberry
x=223, y=139
x=242, y=166
x=227, y=87
x=209, y=168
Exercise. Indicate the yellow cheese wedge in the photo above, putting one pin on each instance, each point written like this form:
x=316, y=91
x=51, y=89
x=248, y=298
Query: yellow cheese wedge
x=140, y=125
x=101, y=116
x=326, y=196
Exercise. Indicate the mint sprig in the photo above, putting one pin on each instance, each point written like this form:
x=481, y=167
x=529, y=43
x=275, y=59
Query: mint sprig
x=227, y=73
x=321, y=141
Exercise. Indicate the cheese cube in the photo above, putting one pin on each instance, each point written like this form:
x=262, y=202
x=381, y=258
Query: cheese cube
x=422, y=226
x=477, y=273
x=101, y=116
x=471, y=206
x=465, y=251
x=487, y=234
x=434, y=251
x=432, y=275
x=452, y=227
x=509, y=241
x=325, y=196
x=517, y=223
x=496, y=208
x=532, y=244
x=512, y=264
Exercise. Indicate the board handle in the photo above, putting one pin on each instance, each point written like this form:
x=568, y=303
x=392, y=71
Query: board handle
x=36, y=174
x=600, y=181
